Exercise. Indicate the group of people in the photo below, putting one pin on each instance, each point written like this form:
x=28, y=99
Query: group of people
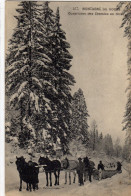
x=82, y=170
x=85, y=168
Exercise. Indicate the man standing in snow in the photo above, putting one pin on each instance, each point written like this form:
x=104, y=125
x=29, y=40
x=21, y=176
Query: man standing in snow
x=119, y=166
x=80, y=171
x=100, y=168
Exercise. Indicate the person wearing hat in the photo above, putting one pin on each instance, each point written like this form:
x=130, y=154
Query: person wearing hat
x=100, y=168
x=80, y=171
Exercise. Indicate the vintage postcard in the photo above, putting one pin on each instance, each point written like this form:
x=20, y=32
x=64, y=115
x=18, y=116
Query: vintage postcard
x=67, y=98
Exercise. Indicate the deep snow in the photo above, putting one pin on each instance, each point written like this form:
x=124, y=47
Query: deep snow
x=118, y=185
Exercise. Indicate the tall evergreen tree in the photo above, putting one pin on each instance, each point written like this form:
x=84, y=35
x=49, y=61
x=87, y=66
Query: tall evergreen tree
x=79, y=125
x=126, y=23
x=38, y=81
x=27, y=63
x=61, y=59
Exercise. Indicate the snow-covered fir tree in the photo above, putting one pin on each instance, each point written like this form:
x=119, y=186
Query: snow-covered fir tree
x=61, y=59
x=37, y=78
x=78, y=123
x=126, y=23
x=27, y=63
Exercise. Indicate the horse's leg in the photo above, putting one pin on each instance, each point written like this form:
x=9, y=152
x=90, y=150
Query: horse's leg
x=85, y=175
x=30, y=187
x=20, y=189
x=50, y=179
x=37, y=187
x=46, y=178
x=34, y=186
x=65, y=177
x=89, y=176
x=74, y=173
x=55, y=178
x=58, y=177
x=27, y=187
x=69, y=177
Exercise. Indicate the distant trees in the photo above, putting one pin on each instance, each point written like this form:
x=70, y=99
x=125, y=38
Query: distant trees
x=99, y=143
x=93, y=136
x=108, y=145
x=126, y=23
x=117, y=148
x=37, y=74
x=126, y=152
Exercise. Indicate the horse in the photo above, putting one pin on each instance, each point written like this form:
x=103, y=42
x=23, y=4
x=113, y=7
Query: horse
x=89, y=167
x=49, y=167
x=69, y=166
x=28, y=173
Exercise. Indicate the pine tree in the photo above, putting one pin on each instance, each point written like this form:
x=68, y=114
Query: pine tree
x=93, y=136
x=79, y=125
x=38, y=81
x=125, y=152
x=117, y=148
x=101, y=136
x=108, y=145
x=27, y=63
x=126, y=23
x=61, y=58
x=100, y=142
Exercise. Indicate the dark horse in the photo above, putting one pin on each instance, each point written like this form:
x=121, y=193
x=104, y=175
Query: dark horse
x=28, y=173
x=49, y=167
x=89, y=166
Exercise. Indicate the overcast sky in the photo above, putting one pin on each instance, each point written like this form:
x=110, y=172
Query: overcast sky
x=99, y=60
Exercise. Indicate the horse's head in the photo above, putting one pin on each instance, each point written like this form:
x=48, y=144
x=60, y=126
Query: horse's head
x=43, y=161
x=20, y=161
x=92, y=164
x=64, y=163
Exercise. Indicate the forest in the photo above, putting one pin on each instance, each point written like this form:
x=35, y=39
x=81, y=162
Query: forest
x=40, y=107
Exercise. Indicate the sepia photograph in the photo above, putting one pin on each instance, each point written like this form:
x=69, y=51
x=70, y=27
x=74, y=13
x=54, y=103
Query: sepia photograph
x=67, y=98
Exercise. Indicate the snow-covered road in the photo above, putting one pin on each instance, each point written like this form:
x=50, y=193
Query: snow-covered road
x=118, y=185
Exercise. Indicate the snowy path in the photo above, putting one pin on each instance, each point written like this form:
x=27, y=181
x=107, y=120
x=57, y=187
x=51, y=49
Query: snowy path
x=115, y=186
x=118, y=185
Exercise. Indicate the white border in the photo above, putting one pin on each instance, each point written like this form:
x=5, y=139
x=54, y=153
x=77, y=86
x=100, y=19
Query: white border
x=2, y=89
x=2, y=92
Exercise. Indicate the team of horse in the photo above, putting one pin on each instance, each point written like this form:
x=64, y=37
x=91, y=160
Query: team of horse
x=50, y=167
x=28, y=171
